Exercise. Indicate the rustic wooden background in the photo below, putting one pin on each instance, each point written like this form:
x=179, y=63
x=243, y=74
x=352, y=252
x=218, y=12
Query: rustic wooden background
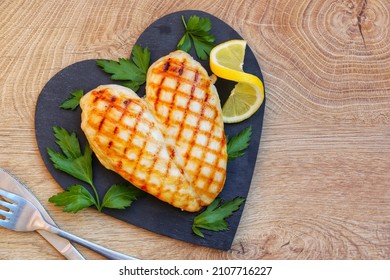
x=321, y=183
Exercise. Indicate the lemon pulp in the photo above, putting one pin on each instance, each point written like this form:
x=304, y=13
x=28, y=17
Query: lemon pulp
x=242, y=103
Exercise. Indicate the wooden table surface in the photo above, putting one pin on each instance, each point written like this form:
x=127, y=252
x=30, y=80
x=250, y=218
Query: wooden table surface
x=321, y=187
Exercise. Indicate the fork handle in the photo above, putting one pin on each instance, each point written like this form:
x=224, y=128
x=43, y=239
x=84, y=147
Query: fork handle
x=110, y=254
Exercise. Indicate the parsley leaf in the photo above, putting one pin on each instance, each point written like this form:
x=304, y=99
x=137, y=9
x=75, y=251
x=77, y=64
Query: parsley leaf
x=72, y=161
x=121, y=70
x=79, y=165
x=75, y=198
x=197, y=30
x=72, y=102
x=120, y=196
x=237, y=145
x=213, y=218
x=184, y=43
x=131, y=71
x=141, y=58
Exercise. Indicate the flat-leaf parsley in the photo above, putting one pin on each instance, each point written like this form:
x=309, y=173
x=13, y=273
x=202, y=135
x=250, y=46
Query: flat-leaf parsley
x=213, y=218
x=79, y=165
x=237, y=145
x=131, y=71
x=72, y=102
x=197, y=30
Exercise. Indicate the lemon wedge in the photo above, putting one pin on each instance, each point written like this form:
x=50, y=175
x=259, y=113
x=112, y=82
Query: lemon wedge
x=244, y=100
x=226, y=61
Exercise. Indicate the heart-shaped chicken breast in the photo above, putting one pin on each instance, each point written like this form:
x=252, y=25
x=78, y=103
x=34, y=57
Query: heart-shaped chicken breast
x=170, y=144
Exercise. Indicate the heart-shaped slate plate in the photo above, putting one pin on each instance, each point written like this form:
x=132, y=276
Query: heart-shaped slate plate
x=161, y=37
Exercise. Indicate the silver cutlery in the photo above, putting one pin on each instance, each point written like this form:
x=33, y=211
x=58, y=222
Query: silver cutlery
x=21, y=215
x=9, y=183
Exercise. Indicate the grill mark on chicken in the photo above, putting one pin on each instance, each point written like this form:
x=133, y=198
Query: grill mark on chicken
x=105, y=116
x=192, y=144
x=193, y=87
x=126, y=104
x=181, y=69
x=119, y=165
x=155, y=159
x=195, y=82
x=151, y=168
x=203, y=124
x=178, y=67
x=142, y=149
x=174, y=92
x=159, y=92
x=128, y=175
x=101, y=123
x=213, y=167
x=166, y=65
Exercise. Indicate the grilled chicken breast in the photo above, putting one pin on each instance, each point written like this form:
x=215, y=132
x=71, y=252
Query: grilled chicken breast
x=126, y=138
x=186, y=104
x=171, y=143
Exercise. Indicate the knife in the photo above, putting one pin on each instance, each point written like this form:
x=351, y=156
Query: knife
x=9, y=183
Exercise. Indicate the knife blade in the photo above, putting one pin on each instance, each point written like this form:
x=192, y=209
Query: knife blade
x=9, y=183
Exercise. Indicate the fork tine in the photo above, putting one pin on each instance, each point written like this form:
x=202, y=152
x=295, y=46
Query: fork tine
x=8, y=205
x=4, y=223
x=6, y=214
x=7, y=195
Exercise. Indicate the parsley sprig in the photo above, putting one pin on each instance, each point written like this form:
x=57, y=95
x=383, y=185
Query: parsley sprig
x=197, y=30
x=237, y=145
x=131, y=71
x=214, y=217
x=72, y=161
x=72, y=102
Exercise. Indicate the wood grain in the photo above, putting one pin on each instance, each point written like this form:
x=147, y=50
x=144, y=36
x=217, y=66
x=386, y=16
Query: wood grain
x=321, y=184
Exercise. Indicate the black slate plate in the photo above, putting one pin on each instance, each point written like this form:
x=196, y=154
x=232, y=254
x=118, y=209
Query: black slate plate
x=148, y=212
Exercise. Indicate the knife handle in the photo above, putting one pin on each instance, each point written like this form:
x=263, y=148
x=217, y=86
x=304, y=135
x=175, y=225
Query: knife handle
x=110, y=254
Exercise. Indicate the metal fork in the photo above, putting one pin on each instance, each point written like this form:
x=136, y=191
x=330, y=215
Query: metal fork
x=22, y=215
